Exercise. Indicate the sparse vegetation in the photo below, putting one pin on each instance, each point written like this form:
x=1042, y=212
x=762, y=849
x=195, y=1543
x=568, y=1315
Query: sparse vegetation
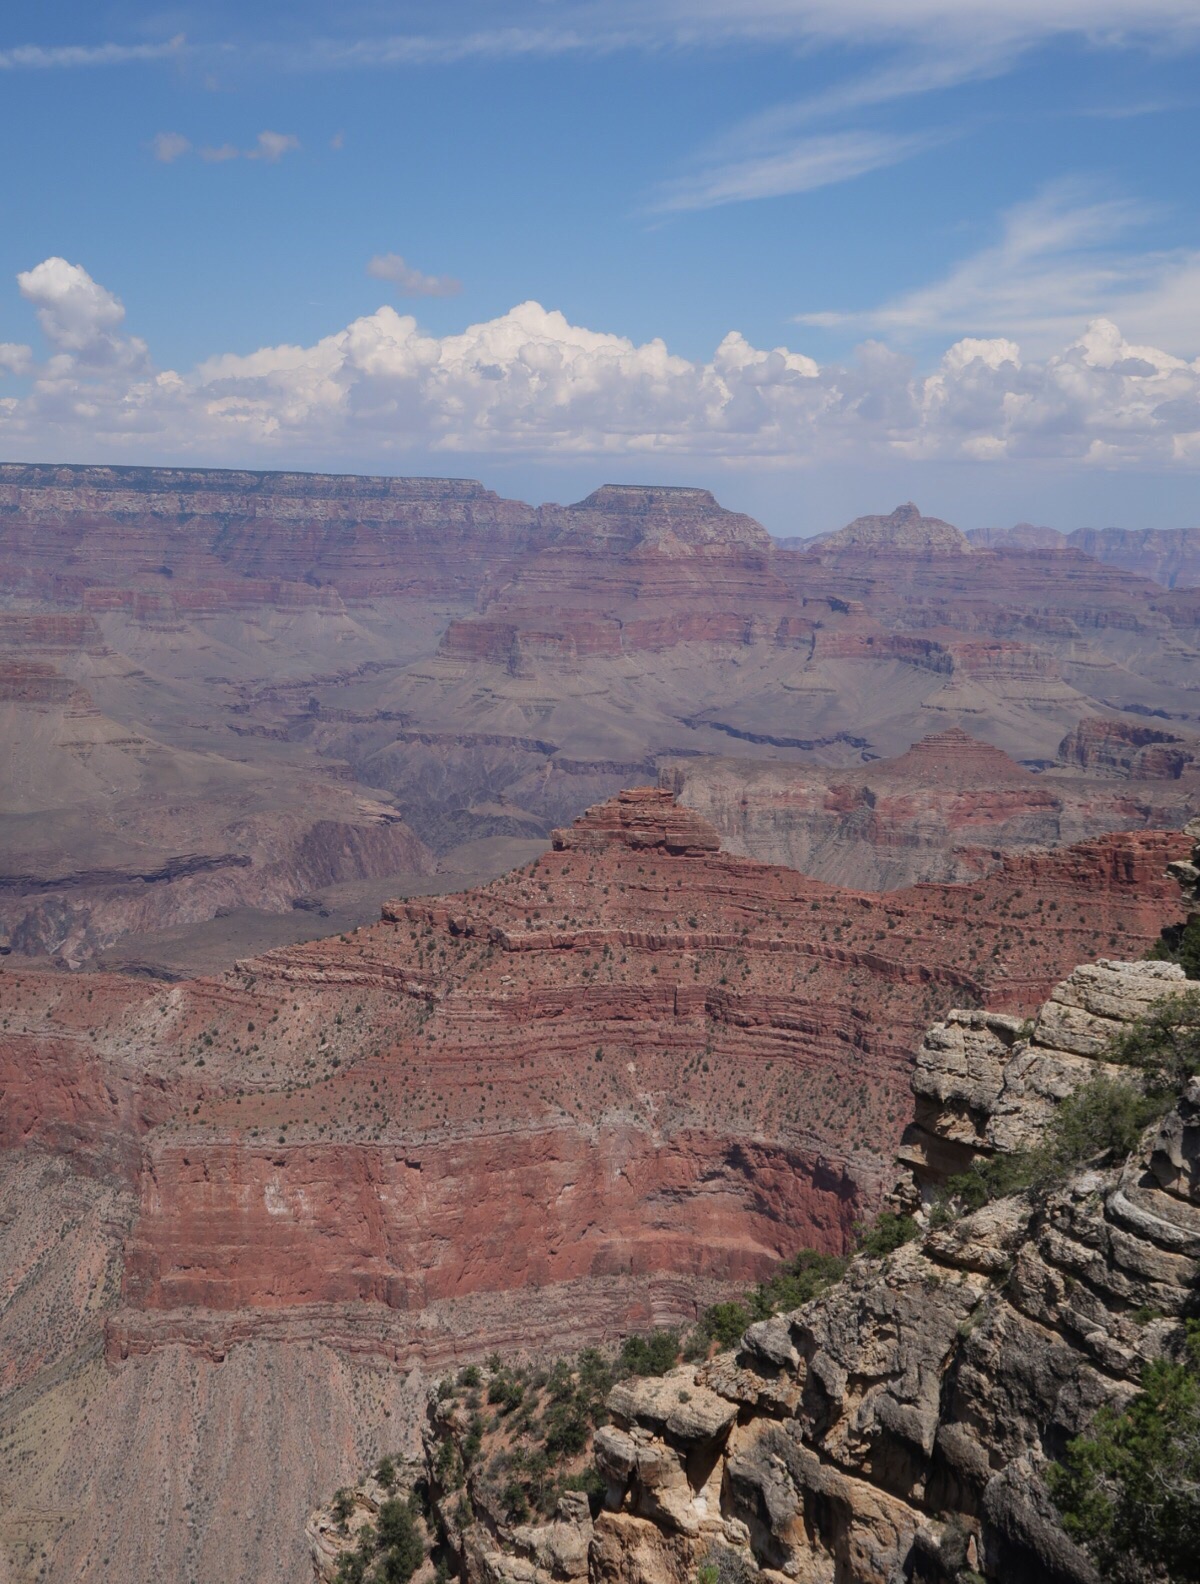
x=1130, y=1490
x=1102, y=1120
x=886, y=1233
x=389, y=1551
x=1180, y=943
x=806, y=1275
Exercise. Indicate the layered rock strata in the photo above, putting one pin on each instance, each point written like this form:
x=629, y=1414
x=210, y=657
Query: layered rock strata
x=900, y=1426
x=946, y=809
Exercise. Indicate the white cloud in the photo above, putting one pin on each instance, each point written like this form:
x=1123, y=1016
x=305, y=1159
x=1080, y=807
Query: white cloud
x=79, y=318
x=38, y=57
x=976, y=27
x=14, y=358
x=272, y=146
x=800, y=166
x=530, y=383
x=410, y=282
x=169, y=146
x=1055, y=264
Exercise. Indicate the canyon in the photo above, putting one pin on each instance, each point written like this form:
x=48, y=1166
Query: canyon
x=241, y=702
x=433, y=925
x=905, y=1423
x=585, y=1097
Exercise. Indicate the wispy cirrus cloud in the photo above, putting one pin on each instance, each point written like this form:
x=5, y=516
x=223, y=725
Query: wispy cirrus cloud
x=56, y=57
x=410, y=282
x=978, y=28
x=801, y=165
x=1061, y=258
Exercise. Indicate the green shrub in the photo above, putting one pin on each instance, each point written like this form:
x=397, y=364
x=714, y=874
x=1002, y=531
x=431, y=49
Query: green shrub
x=1103, y=1119
x=887, y=1233
x=649, y=1355
x=1130, y=1491
x=804, y=1277
x=1164, y=1044
x=385, y=1473
x=725, y=1322
x=1180, y=943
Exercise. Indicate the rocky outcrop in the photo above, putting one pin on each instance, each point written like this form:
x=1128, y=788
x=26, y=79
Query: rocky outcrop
x=904, y=530
x=900, y=1425
x=646, y=819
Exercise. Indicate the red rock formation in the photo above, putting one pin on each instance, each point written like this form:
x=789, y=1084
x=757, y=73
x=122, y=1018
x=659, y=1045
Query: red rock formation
x=1120, y=748
x=641, y=1055
x=647, y=819
x=578, y=1099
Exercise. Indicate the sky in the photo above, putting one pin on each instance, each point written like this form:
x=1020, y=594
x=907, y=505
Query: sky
x=820, y=256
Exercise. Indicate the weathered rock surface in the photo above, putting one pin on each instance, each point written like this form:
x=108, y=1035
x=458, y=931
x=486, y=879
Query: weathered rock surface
x=902, y=1422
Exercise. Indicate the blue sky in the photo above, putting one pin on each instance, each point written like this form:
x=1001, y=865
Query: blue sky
x=297, y=235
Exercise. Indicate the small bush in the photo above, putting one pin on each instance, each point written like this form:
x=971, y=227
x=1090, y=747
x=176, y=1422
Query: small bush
x=1164, y=1044
x=725, y=1322
x=805, y=1276
x=649, y=1355
x=1103, y=1119
x=1180, y=943
x=888, y=1233
x=1130, y=1491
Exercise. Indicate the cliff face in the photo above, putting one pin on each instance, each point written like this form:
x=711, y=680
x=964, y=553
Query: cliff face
x=934, y=1385
x=900, y=1425
x=583, y=1099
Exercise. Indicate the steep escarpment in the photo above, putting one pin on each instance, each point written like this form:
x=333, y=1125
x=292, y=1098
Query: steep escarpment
x=592, y=1096
x=639, y=1060
x=906, y=1422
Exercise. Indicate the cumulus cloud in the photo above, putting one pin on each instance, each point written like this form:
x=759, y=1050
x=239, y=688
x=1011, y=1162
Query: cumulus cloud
x=15, y=358
x=530, y=383
x=79, y=318
x=410, y=282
